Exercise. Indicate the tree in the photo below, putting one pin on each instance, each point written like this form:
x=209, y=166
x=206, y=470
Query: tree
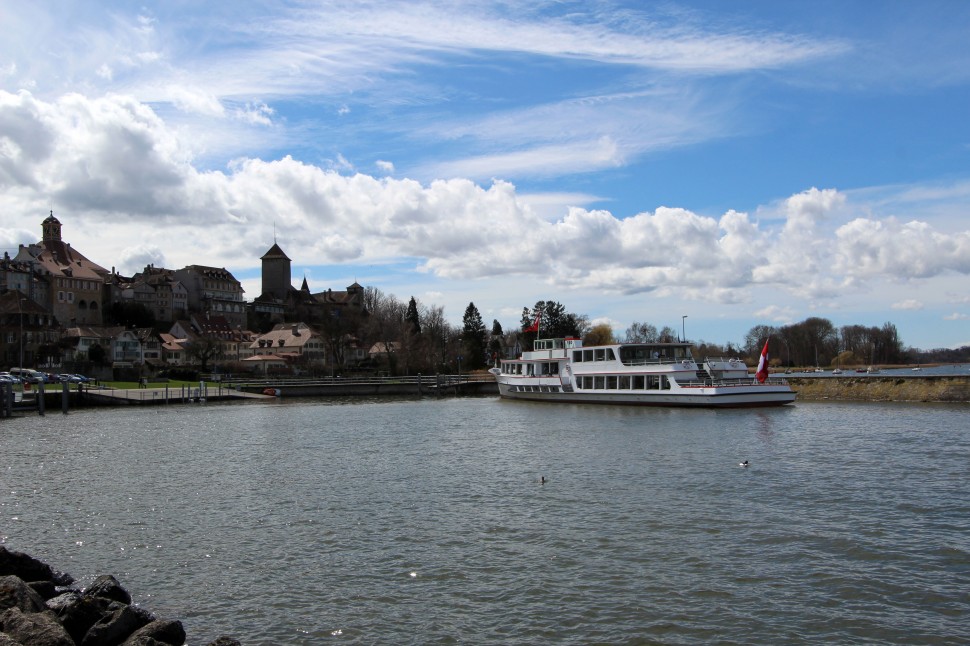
x=130, y=314
x=97, y=354
x=204, y=349
x=554, y=320
x=411, y=317
x=495, y=348
x=601, y=334
x=641, y=333
x=473, y=337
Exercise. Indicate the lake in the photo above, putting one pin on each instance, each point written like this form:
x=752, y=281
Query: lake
x=426, y=520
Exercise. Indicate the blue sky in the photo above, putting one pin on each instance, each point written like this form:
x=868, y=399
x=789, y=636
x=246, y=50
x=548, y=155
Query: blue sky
x=738, y=163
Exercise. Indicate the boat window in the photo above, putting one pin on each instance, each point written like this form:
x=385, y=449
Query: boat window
x=598, y=383
x=609, y=355
x=611, y=382
x=625, y=382
x=653, y=382
x=638, y=382
x=578, y=356
x=600, y=355
x=664, y=383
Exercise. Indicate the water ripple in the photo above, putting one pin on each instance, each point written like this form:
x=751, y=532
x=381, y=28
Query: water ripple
x=425, y=521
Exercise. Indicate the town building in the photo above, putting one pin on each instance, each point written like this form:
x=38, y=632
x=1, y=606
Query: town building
x=76, y=283
x=214, y=291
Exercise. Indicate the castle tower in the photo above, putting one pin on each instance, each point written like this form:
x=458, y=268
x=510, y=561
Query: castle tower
x=276, y=273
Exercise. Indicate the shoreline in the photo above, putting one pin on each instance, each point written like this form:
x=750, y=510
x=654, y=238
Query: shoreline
x=923, y=389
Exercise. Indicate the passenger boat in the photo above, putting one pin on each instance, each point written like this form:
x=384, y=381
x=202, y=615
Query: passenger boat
x=645, y=374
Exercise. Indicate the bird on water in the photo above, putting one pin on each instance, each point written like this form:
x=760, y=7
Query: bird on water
x=744, y=464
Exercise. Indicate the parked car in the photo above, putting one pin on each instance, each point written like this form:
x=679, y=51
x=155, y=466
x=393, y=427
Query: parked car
x=82, y=379
x=7, y=378
x=68, y=379
x=28, y=375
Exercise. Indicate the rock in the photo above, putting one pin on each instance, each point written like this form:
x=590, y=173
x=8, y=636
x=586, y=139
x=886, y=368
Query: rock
x=107, y=587
x=225, y=641
x=115, y=626
x=101, y=615
x=46, y=589
x=30, y=569
x=77, y=613
x=158, y=632
x=14, y=593
x=34, y=629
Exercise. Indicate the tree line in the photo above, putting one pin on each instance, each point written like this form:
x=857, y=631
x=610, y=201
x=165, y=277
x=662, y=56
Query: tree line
x=424, y=342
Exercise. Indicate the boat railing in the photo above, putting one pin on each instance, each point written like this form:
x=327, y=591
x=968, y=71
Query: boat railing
x=734, y=361
x=655, y=361
x=729, y=382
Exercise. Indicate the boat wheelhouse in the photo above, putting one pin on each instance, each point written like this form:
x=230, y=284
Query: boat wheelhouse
x=652, y=374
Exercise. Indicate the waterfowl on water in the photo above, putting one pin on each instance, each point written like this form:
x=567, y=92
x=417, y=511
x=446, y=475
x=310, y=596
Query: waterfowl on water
x=744, y=464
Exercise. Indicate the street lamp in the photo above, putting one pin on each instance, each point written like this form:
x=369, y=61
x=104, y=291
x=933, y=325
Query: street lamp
x=20, y=307
x=683, y=328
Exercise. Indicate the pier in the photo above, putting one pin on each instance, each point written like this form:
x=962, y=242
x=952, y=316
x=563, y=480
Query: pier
x=41, y=401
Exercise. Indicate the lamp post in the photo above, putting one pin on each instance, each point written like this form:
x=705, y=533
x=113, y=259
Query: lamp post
x=20, y=308
x=683, y=327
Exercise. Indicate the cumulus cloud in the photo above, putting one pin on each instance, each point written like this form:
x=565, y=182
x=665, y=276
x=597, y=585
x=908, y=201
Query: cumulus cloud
x=908, y=304
x=113, y=165
x=134, y=259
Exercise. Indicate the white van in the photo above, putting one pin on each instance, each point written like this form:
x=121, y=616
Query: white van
x=27, y=375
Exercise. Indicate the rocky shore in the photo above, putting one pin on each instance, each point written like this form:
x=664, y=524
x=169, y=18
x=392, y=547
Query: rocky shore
x=40, y=606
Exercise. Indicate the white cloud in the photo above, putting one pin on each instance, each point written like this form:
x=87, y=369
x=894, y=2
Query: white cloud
x=956, y=316
x=385, y=166
x=134, y=259
x=908, y=304
x=114, y=167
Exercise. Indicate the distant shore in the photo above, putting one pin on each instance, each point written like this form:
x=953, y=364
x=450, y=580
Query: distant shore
x=955, y=389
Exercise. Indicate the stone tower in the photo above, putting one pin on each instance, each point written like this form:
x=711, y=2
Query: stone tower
x=276, y=273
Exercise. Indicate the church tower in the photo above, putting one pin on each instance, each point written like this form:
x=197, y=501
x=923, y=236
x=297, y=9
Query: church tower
x=276, y=273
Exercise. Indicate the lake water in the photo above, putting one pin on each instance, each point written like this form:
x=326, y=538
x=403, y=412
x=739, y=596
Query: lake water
x=425, y=521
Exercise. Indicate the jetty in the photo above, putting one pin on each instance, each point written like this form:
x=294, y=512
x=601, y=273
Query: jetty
x=42, y=400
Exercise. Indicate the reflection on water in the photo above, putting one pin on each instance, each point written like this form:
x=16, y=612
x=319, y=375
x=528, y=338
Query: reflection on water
x=426, y=520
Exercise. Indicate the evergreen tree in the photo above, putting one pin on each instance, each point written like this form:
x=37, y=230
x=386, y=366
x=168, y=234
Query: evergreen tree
x=554, y=320
x=495, y=342
x=412, y=318
x=473, y=337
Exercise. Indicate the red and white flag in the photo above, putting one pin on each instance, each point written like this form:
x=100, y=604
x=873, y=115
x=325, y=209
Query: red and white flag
x=762, y=373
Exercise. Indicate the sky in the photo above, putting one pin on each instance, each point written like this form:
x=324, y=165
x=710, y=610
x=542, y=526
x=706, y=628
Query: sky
x=707, y=166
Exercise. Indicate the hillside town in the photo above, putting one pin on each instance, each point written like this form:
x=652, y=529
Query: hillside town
x=61, y=311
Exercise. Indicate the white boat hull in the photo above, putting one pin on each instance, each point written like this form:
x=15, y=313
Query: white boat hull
x=701, y=397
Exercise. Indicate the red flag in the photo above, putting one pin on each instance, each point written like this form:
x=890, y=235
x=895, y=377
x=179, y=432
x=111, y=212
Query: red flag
x=535, y=326
x=762, y=373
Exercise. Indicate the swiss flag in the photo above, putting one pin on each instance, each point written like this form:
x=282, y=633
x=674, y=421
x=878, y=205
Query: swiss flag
x=762, y=373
